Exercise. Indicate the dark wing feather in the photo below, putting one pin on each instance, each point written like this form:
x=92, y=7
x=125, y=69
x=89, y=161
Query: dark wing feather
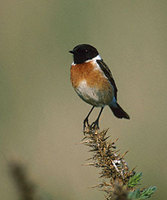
x=108, y=74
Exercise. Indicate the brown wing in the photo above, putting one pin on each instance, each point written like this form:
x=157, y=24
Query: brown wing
x=108, y=74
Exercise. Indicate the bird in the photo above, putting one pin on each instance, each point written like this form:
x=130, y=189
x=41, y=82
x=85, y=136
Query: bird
x=93, y=82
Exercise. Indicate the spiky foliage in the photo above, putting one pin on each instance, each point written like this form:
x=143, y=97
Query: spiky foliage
x=119, y=182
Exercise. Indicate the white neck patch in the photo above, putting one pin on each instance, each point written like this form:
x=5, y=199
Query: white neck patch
x=93, y=59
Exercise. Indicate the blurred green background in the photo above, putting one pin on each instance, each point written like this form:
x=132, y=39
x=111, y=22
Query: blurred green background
x=40, y=114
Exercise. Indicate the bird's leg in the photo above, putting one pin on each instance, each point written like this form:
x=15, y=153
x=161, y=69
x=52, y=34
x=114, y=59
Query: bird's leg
x=86, y=123
x=95, y=124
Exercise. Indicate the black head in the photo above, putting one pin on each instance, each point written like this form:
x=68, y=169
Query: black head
x=83, y=52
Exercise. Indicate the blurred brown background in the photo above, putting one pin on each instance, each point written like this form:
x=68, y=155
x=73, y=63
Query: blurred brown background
x=40, y=114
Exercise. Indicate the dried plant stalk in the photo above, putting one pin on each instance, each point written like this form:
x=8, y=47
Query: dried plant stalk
x=25, y=187
x=119, y=181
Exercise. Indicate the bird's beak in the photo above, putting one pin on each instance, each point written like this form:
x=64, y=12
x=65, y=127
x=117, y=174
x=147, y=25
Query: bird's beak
x=71, y=52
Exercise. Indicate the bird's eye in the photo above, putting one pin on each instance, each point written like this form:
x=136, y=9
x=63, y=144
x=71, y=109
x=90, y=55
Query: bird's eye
x=86, y=51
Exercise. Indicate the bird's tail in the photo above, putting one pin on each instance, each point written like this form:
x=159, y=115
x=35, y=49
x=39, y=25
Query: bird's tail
x=119, y=112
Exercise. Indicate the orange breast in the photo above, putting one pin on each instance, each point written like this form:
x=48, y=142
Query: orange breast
x=94, y=77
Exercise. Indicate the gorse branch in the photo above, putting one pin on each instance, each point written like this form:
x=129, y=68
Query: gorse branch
x=119, y=181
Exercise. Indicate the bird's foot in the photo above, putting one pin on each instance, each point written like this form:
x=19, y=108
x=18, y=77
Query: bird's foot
x=85, y=125
x=95, y=125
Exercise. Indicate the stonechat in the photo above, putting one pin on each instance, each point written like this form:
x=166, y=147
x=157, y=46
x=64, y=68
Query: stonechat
x=93, y=82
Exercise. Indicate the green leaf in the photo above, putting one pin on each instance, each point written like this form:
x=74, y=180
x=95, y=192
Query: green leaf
x=134, y=195
x=147, y=192
x=135, y=180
